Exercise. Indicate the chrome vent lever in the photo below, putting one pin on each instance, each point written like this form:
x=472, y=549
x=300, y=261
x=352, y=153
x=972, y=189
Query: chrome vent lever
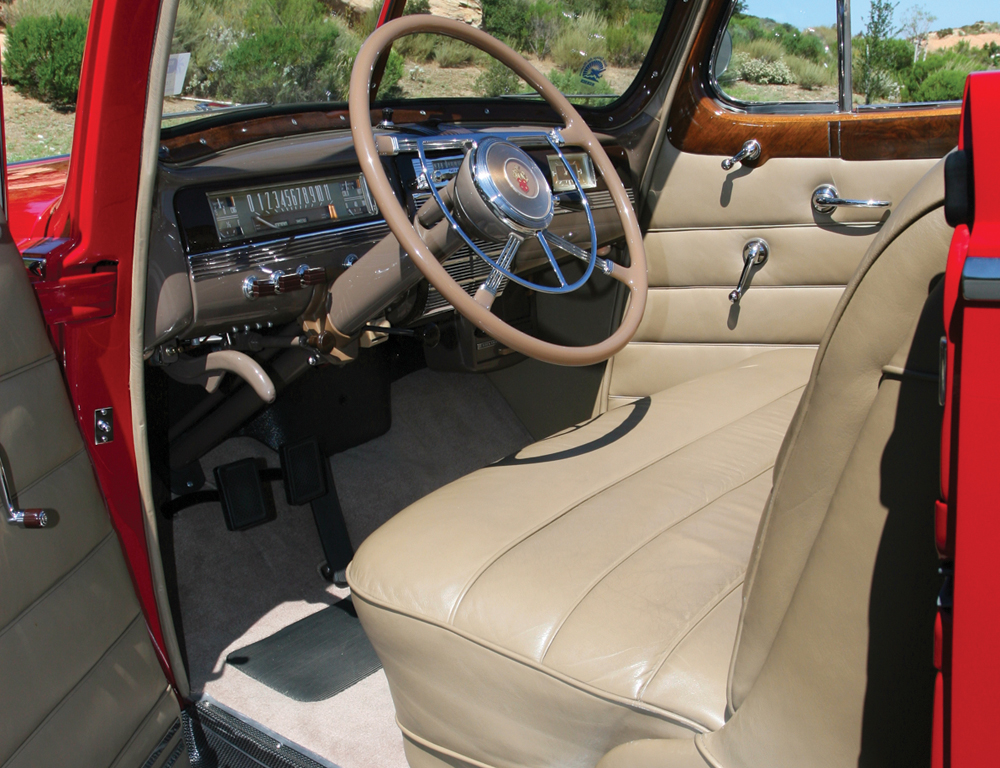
x=755, y=254
x=749, y=152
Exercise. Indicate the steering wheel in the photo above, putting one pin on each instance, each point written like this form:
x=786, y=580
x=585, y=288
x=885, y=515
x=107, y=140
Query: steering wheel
x=499, y=195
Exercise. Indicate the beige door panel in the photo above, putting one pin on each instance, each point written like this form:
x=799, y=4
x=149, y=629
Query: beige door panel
x=688, y=191
x=766, y=315
x=698, y=218
x=798, y=255
x=77, y=666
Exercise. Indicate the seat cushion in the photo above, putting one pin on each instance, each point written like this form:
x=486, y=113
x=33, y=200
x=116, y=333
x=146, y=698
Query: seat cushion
x=585, y=592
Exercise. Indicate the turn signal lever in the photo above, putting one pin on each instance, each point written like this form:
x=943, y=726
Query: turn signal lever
x=755, y=254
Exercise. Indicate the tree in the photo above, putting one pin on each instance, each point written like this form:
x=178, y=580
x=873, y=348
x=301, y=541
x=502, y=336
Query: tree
x=916, y=26
x=875, y=78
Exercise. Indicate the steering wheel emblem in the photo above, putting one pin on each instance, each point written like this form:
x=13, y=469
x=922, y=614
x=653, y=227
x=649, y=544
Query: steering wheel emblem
x=517, y=176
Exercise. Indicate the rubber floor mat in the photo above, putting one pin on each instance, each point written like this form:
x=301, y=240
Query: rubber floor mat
x=314, y=658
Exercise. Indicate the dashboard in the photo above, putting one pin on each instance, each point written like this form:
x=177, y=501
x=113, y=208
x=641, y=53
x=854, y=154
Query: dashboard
x=248, y=238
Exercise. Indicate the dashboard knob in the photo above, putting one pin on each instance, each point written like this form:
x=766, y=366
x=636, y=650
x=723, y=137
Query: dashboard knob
x=254, y=288
x=284, y=283
x=311, y=275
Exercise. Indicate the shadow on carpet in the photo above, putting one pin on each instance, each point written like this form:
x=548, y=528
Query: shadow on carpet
x=313, y=659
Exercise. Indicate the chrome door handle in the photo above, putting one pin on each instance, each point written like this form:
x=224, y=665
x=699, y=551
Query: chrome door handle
x=826, y=200
x=23, y=518
x=755, y=253
x=750, y=151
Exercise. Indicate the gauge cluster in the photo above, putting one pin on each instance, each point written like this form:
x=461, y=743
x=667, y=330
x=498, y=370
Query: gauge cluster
x=275, y=209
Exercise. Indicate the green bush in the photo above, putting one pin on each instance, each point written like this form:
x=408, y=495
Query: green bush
x=277, y=67
x=390, y=87
x=941, y=85
x=417, y=47
x=764, y=49
x=544, y=22
x=13, y=12
x=507, y=20
x=570, y=83
x=810, y=75
x=416, y=6
x=805, y=45
x=624, y=47
x=498, y=80
x=450, y=54
x=581, y=40
x=43, y=56
x=763, y=72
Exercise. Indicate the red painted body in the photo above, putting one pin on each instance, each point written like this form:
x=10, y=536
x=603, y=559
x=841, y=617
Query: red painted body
x=969, y=633
x=33, y=189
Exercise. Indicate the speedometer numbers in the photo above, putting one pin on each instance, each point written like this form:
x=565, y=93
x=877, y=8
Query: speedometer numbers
x=260, y=210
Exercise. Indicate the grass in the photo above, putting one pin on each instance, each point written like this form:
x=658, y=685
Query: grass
x=34, y=129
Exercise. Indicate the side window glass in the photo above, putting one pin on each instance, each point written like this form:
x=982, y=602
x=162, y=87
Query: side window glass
x=908, y=54
x=779, y=53
x=42, y=56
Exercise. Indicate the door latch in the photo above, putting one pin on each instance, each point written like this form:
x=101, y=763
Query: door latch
x=104, y=426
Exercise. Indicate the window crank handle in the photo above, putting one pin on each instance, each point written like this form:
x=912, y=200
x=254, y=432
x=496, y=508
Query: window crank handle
x=755, y=254
x=750, y=151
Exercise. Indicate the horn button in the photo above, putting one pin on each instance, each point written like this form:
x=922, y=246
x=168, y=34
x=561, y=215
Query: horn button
x=500, y=190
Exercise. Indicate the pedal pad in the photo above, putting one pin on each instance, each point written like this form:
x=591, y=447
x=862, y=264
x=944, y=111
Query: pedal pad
x=244, y=501
x=304, y=468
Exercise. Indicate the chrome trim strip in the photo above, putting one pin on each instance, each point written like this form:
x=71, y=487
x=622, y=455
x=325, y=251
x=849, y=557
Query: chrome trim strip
x=981, y=279
x=242, y=258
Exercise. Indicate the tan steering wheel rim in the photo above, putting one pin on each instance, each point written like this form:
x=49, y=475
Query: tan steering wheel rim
x=575, y=132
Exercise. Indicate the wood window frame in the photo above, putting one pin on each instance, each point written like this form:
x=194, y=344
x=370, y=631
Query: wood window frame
x=700, y=122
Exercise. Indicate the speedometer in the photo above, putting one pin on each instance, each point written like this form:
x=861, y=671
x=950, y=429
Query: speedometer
x=247, y=212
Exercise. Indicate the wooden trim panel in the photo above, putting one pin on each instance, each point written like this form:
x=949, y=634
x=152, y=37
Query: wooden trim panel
x=700, y=124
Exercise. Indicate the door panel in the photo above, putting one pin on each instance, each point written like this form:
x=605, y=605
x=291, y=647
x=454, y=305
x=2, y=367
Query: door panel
x=79, y=679
x=698, y=218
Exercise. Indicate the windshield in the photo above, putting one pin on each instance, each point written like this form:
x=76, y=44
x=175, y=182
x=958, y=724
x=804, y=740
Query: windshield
x=229, y=54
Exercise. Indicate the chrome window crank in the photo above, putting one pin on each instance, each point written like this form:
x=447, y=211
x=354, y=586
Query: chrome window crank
x=755, y=254
x=750, y=151
x=23, y=518
x=825, y=199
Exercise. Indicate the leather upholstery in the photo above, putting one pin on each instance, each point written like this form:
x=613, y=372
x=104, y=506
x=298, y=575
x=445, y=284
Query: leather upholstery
x=596, y=573
x=79, y=679
x=579, y=594
x=833, y=663
x=697, y=219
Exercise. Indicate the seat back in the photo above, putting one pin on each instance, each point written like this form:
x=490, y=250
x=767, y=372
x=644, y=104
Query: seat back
x=833, y=658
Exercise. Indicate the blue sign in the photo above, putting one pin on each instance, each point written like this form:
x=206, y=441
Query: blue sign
x=592, y=71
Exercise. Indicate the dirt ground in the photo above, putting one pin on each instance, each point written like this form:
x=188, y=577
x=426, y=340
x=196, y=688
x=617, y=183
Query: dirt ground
x=935, y=43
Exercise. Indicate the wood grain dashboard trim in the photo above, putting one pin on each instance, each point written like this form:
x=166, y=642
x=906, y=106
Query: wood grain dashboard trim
x=701, y=124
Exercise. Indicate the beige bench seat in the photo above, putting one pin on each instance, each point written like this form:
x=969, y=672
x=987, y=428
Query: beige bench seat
x=599, y=570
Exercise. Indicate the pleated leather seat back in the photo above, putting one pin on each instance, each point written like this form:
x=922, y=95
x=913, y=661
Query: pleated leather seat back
x=833, y=658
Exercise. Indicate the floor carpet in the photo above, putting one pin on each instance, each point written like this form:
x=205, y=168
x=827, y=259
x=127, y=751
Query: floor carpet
x=237, y=588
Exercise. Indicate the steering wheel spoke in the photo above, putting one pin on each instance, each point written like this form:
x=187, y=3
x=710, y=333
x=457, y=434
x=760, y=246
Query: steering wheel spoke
x=605, y=265
x=502, y=196
x=487, y=292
